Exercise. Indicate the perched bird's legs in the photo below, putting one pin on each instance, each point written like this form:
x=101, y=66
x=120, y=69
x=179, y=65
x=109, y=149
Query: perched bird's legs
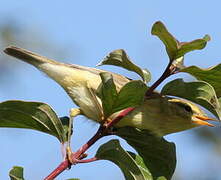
x=73, y=113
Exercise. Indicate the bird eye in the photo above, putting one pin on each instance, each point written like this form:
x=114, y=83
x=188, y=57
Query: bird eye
x=188, y=108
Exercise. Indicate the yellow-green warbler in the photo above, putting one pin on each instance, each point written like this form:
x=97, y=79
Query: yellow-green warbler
x=161, y=115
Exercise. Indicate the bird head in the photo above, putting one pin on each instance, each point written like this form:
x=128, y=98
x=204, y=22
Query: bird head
x=164, y=115
x=191, y=112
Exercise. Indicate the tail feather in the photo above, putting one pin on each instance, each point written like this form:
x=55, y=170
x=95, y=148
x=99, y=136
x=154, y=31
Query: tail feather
x=27, y=56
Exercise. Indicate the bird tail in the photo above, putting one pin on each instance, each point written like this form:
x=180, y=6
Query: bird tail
x=62, y=73
x=28, y=56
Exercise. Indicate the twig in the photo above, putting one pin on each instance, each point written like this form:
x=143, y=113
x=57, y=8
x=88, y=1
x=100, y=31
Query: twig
x=63, y=166
x=119, y=117
x=168, y=71
x=101, y=132
x=86, y=160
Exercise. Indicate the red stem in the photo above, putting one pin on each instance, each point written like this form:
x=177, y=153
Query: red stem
x=64, y=165
x=119, y=117
x=102, y=131
x=168, y=71
x=87, y=160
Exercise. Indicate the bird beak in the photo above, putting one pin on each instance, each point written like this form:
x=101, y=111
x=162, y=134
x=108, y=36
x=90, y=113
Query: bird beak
x=202, y=120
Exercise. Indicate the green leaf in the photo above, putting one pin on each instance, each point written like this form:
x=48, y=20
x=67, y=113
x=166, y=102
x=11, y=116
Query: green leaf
x=197, y=44
x=170, y=42
x=16, y=173
x=120, y=58
x=112, y=151
x=130, y=95
x=174, y=48
x=140, y=163
x=158, y=155
x=108, y=93
x=31, y=115
x=210, y=75
x=65, y=122
x=199, y=92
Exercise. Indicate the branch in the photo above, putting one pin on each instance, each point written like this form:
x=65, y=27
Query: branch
x=64, y=165
x=170, y=69
x=76, y=157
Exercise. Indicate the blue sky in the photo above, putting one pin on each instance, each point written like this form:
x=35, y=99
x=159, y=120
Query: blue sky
x=89, y=30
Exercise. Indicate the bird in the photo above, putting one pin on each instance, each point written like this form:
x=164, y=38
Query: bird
x=159, y=114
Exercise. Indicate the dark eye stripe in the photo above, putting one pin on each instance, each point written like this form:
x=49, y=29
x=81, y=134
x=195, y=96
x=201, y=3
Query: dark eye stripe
x=185, y=106
x=188, y=108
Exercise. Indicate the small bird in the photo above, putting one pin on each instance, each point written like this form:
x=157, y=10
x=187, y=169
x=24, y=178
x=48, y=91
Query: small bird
x=158, y=114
